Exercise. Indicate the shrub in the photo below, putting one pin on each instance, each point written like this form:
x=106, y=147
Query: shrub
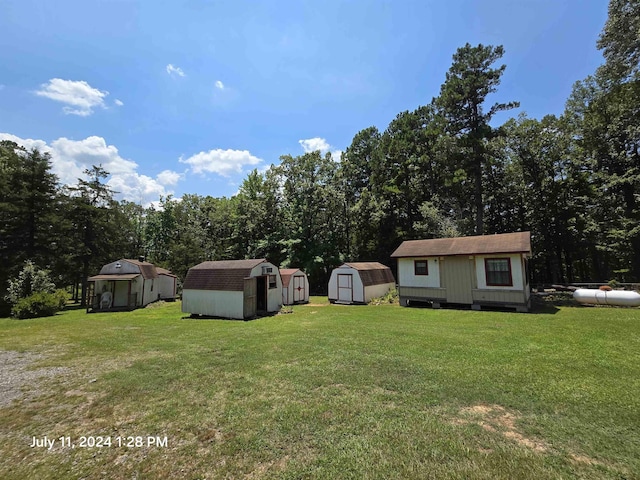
x=30, y=280
x=391, y=297
x=40, y=304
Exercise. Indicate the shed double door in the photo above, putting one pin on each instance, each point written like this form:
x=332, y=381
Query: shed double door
x=459, y=279
x=298, y=289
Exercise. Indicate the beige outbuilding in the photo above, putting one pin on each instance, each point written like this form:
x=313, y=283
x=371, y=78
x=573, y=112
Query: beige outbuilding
x=489, y=270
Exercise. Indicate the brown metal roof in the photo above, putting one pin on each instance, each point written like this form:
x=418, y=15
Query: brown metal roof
x=226, y=275
x=373, y=273
x=148, y=270
x=164, y=271
x=518, y=242
x=118, y=276
x=287, y=273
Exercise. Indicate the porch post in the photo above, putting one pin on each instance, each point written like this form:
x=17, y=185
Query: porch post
x=89, y=299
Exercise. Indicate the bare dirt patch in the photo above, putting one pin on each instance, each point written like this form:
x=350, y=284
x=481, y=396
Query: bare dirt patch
x=495, y=418
x=17, y=377
x=576, y=458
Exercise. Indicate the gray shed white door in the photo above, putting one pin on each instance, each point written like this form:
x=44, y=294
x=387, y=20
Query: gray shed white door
x=250, y=297
x=298, y=289
x=345, y=287
x=459, y=279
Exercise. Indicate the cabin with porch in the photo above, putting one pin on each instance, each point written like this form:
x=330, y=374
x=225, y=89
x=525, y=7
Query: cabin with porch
x=127, y=284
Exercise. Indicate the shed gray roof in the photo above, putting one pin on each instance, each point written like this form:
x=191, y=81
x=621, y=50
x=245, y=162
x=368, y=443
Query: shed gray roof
x=226, y=275
x=517, y=242
x=372, y=273
x=146, y=269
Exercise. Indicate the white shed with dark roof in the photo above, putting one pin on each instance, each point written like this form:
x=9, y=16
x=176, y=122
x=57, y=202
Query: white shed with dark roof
x=359, y=282
x=295, y=286
x=127, y=284
x=237, y=289
x=490, y=270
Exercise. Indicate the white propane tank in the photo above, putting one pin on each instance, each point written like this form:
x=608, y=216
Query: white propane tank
x=613, y=297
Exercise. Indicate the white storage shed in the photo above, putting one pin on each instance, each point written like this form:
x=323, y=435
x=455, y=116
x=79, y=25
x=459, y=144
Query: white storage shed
x=359, y=282
x=295, y=286
x=239, y=289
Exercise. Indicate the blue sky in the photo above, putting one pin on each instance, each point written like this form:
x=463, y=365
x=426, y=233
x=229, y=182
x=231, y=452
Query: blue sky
x=189, y=96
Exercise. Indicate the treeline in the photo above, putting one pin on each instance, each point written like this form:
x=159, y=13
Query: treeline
x=440, y=170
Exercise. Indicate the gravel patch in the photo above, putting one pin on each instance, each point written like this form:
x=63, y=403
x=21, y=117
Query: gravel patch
x=16, y=375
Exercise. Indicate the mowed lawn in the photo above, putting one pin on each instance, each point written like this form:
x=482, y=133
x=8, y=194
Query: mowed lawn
x=327, y=392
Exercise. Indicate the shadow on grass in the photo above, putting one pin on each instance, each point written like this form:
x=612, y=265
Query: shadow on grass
x=537, y=306
x=195, y=316
x=545, y=308
x=551, y=303
x=74, y=306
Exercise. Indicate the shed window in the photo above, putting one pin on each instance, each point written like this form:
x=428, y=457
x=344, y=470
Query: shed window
x=498, y=272
x=272, y=281
x=421, y=267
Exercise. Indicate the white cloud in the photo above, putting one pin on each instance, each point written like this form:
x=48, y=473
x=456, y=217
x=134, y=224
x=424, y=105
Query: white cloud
x=93, y=151
x=336, y=155
x=28, y=143
x=80, y=97
x=172, y=70
x=222, y=162
x=314, y=144
x=219, y=85
x=69, y=159
x=118, y=102
x=169, y=177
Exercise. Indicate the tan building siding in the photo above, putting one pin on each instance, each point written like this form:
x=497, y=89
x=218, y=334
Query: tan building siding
x=458, y=278
x=423, y=293
x=499, y=296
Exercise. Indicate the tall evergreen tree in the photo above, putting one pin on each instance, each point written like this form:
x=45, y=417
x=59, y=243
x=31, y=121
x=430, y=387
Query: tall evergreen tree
x=360, y=179
x=28, y=215
x=95, y=221
x=469, y=81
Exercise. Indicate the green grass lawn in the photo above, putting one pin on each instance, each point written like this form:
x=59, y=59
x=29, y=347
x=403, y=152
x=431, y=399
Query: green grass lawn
x=329, y=391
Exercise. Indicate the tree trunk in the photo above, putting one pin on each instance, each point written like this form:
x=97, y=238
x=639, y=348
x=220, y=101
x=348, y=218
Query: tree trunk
x=479, y=206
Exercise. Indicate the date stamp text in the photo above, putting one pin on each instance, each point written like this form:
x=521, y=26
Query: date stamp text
x=100, y=441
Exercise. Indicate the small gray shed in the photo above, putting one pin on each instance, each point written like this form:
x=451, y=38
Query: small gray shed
x=489, y=270
x=359, y=282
